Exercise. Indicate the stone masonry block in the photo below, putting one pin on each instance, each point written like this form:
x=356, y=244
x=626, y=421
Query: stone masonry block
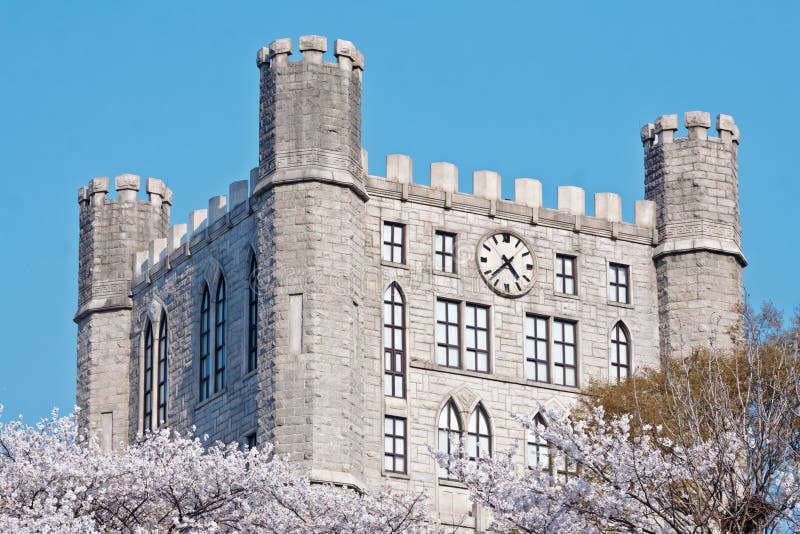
x=645, y=213
x=486, y=184
x=238, y=192
x=197, y=221
x=444, y=176
x=217, y=208
x=400, y=168
x=528, y=191
x=608, y=206
x=127, y=185
x=571, y=199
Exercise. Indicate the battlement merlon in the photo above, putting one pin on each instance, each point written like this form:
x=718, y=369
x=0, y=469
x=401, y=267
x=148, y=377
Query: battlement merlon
x=127, y=186
x=297, y=144
x=694, y=182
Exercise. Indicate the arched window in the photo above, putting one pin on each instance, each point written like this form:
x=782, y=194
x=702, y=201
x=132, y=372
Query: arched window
x=147, y=407
x=479, y=436
x=163, y=348
x=620, y=352
x=394, y=364
x=449, y=430
x=538, y=448
x=252, y=315
x=205, y=345
x=219, y=337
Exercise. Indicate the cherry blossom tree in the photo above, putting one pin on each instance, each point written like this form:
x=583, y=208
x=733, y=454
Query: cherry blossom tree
x=711, y=444
x=53, y=480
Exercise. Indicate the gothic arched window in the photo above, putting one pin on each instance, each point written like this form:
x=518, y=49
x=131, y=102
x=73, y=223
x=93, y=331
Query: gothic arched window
x=393, y=342
x=479, y=436
x=147, y=404
x=449, y=430
x=205, y=345
x=620, y=352
x=163, y=348
x=219, y=337
x=538, y=448
x=252, y=315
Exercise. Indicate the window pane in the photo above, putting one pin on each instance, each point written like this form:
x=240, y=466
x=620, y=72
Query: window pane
x=398, y=362
x=398, y=338
x=541, y=327
x=387, y=385
x=448, y=264
x=387, y=232
x=482, y=345
x=558, y=331
x=387, y=337
x=454, y=359
x=470, y=337
x=440, y=310
x=623, y=295
x=622, y=272
x=400, y=464
x=570, y=376
x=529, y=347
x=441, y=355
x=452, y=332
x=530, y=370
x=452, y=310
x=529, y=322
x=398, y=385
x=483, y=362
x=541, y=349
x=397, y=255
x=559, y=267
x=470, y=361
x=569, y=333
x=542, y=370
x=470, y=319
x=482, y=317
x=398, y=235
x=439, y=245
x=387, y=252
x=448, y=244
x=569, y=286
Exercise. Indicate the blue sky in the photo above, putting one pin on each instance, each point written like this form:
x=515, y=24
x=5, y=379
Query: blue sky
x=555, y=91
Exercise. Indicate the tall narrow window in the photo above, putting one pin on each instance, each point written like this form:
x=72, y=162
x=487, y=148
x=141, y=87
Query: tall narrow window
x=447, y=340
x=445, y=250
x=565, y=274
x=205, y=345
x=147, y=408
x=479, y=436
x=251, y=440
x=565, y=367
x=449, y=431
x=620, y=352
x=476, y=332
x=163, y=348
x=618, y=283
x=538, y=448
x=219, y=337
x=393, y=250
x=252, y=315
x=537, y=359
x=394, y=444
x=394, y=364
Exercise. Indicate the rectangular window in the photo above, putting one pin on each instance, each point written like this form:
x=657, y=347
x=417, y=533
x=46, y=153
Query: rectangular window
x=564, y=365
x=566, y=469
x=251, y=440
x=445, y=247
x=476, y=332
x=447, y=338
x=537, y=354
x=394, y=444
x=565, y=274
x=618, y=283
x=393, y=250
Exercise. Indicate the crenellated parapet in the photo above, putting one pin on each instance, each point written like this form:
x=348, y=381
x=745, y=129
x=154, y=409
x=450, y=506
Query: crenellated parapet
x=310, y=111
x=527, y=206
x=204, y=225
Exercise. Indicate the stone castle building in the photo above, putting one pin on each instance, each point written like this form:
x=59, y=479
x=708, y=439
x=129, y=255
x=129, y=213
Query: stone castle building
x=352, y=320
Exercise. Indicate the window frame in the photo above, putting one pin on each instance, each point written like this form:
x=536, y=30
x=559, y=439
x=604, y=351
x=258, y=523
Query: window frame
x=563, y=343
x=147, y=377
x=447, y=323
x=614, y=284
x=560, y=264
x=537, y=444
x=473, y=307
x=163, y=369
x=536, y=361
x=479, y=414
x=220, y=336
x=394, y=454
x=205, y=344
x=252, y=314
x=392, y=371
x=392, y=243
x=451, y=409
x=620, y=330
x=443, y=254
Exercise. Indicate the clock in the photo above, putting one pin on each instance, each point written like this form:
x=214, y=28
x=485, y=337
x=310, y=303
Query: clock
x=505, y=262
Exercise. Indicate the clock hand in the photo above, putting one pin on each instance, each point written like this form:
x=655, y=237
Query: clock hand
x=507, y=262
x=502, y=266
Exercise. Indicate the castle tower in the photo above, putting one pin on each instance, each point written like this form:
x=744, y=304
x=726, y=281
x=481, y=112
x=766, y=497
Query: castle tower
x=111, y=231
x=699, y=262
x=311, y=213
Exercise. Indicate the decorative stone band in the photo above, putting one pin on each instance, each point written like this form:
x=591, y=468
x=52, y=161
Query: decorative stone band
x=313, y=164
x=709, y=244
x=106, y=295
x=700, y=228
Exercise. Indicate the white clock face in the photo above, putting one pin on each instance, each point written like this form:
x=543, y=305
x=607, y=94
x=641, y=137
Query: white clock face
x=506, y=263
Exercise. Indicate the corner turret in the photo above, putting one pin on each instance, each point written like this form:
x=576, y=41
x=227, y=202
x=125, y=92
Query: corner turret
x=111, y=231
x=694, y=182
